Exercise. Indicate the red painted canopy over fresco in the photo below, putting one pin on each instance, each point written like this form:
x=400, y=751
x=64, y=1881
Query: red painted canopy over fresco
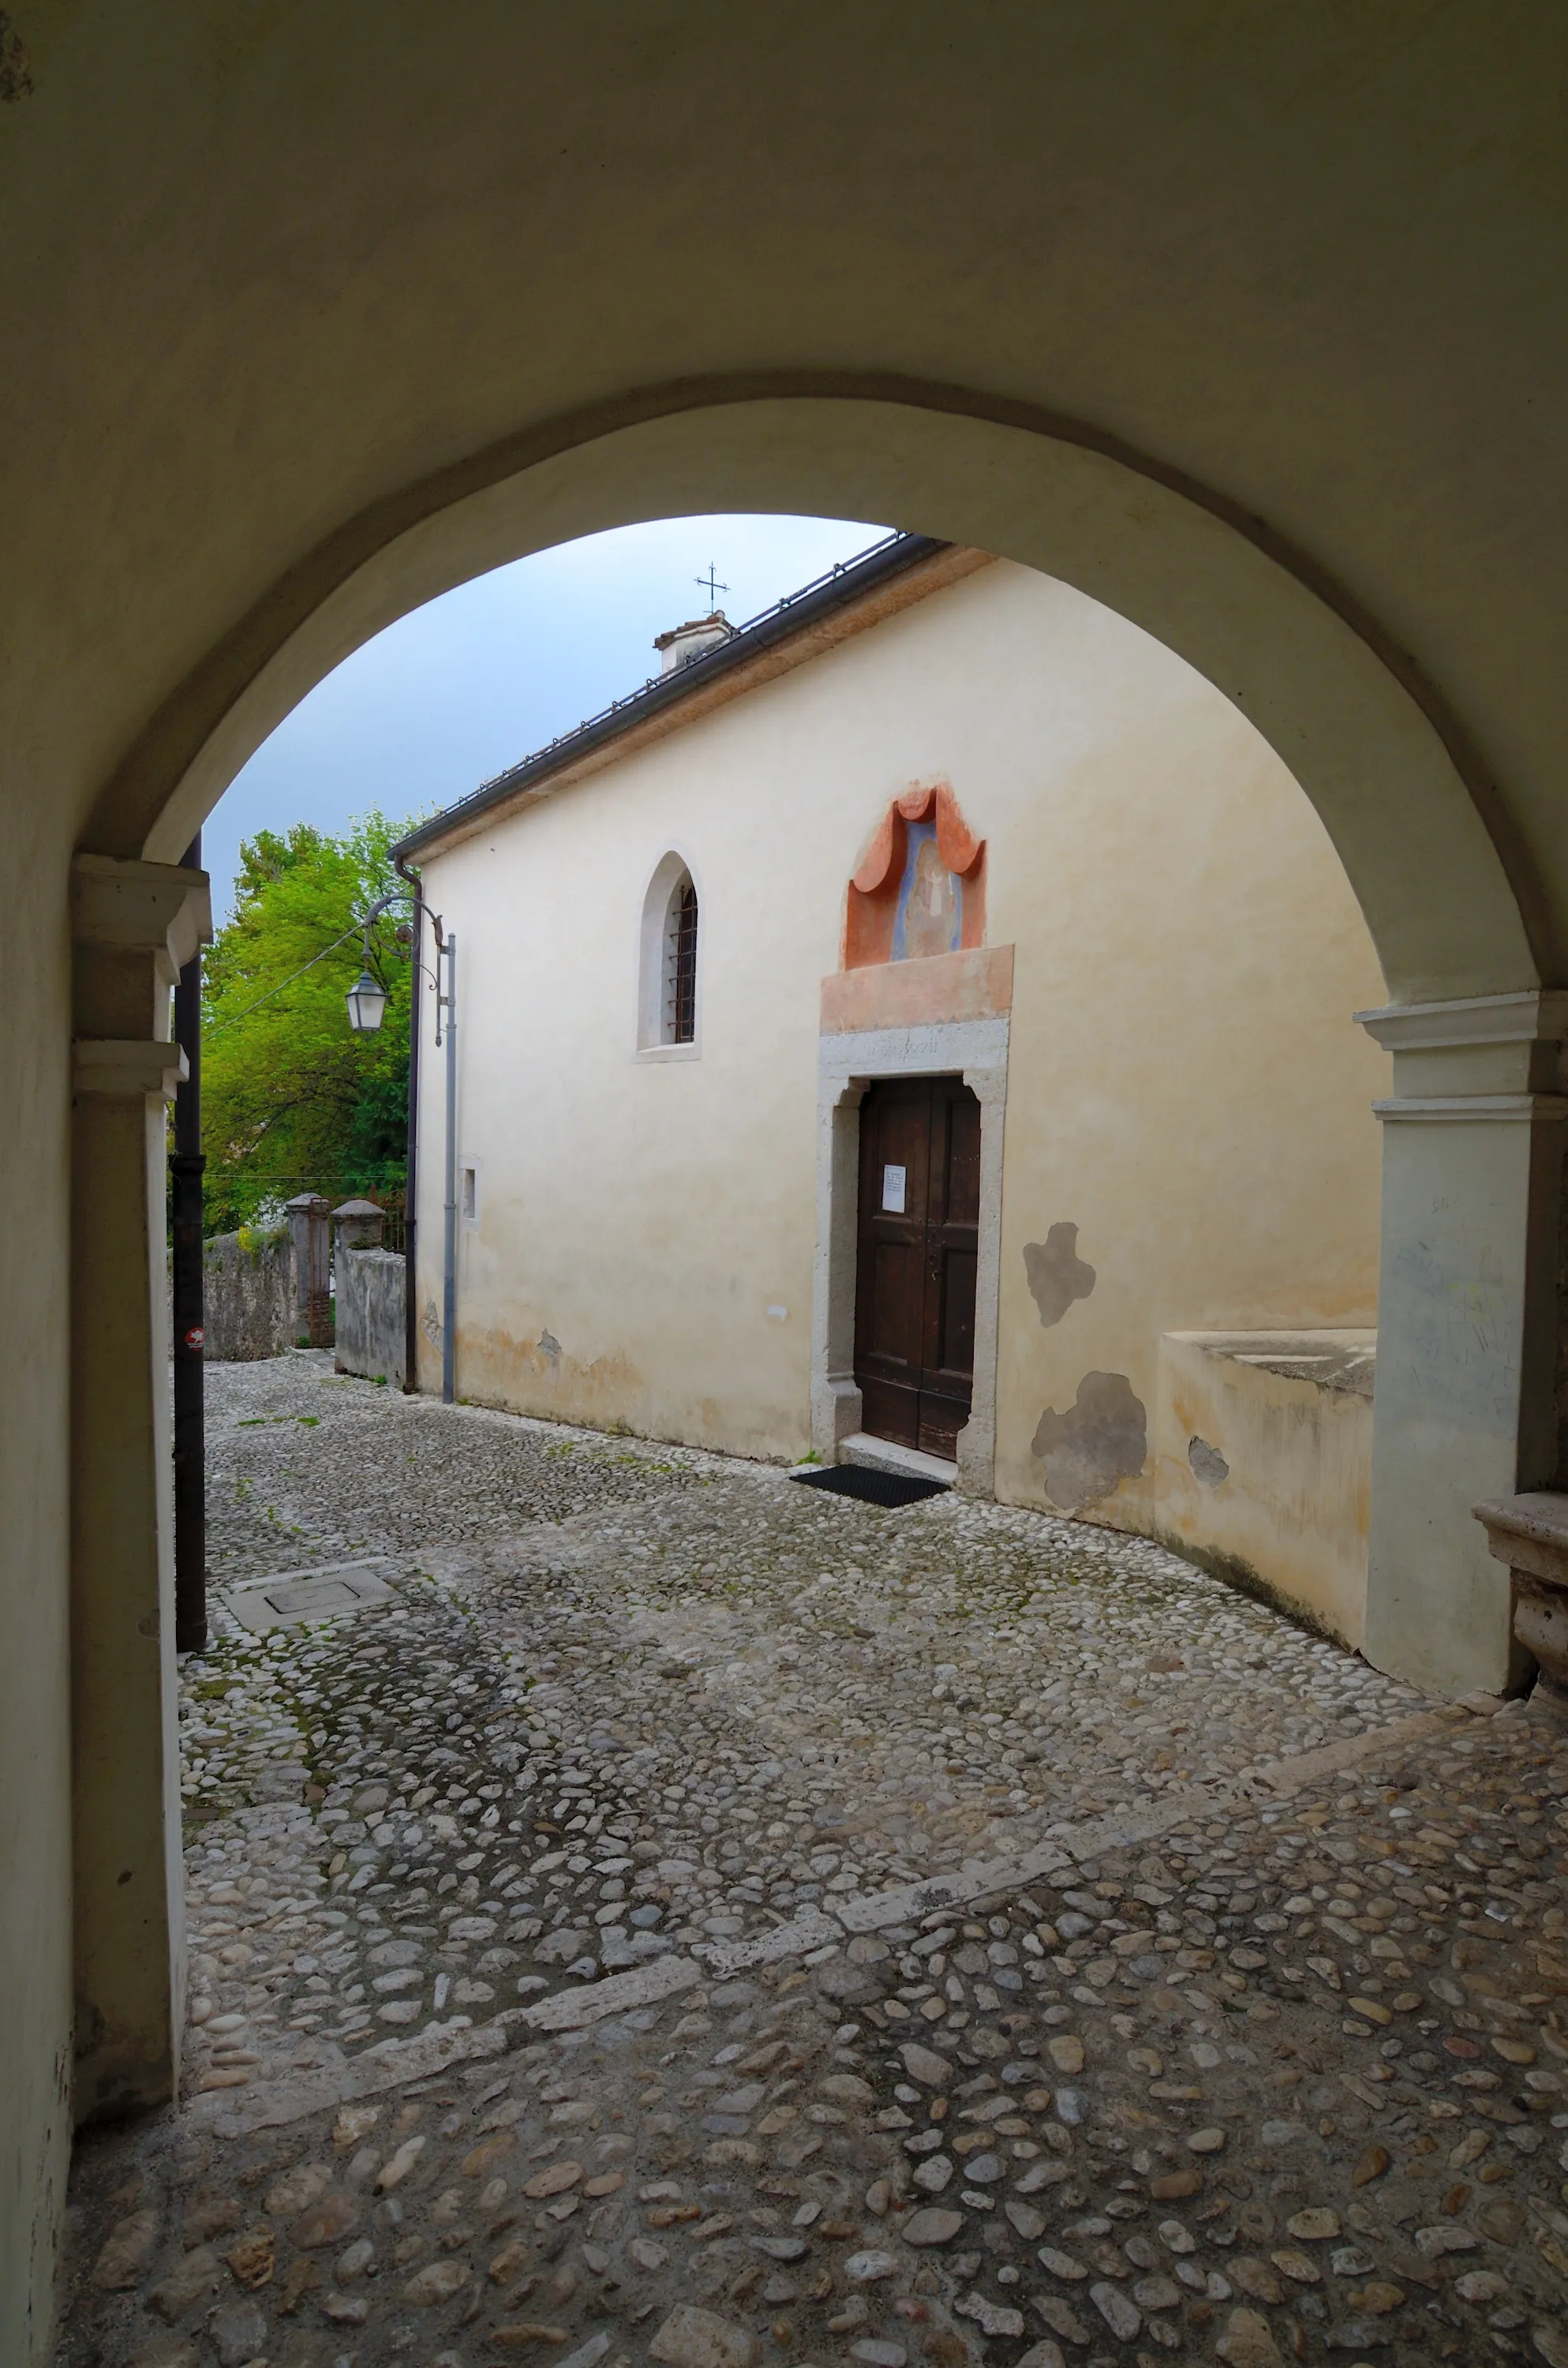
x=879, y=896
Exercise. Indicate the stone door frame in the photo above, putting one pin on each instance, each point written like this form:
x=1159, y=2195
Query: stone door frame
x=848, y=1063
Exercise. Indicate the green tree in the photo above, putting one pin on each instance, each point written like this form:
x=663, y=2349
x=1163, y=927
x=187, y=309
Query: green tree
x=293, y=1101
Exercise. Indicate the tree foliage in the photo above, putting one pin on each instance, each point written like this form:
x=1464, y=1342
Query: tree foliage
x=293, y=1101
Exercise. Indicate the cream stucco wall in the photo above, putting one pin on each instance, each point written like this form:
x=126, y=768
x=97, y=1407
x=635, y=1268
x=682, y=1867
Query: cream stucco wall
x=1187, y=1085
x=1186, y=1082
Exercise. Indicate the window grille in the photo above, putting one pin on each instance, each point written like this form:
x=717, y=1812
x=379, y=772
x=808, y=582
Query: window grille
x=680, y=967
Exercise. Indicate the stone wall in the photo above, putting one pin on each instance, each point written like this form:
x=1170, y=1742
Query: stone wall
x=371, y=1289
x=248, y=1296
x=1263, y=1464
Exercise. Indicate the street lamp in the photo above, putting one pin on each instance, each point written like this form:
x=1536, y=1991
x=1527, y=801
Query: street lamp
x=367, y=1008
x=367, y=1005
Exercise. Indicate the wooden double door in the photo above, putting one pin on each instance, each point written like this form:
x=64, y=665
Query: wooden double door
x=919, y=1223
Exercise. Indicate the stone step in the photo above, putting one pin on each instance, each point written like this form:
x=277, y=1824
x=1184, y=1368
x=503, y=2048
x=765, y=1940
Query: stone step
x=886, y=1455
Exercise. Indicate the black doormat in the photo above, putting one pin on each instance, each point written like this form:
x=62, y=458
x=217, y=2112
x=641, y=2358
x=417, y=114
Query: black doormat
x=868, y=1487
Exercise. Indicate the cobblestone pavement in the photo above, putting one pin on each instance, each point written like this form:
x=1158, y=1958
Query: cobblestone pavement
x=701, y=1919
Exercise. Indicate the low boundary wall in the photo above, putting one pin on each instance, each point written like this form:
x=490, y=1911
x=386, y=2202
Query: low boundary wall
x=371, y=1292
x=247, y=1284
x=1264, y=1448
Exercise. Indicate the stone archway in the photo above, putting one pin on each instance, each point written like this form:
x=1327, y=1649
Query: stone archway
x=1387, y=768
x=268, y=292
x=1402, y=795
x=1470, y=1203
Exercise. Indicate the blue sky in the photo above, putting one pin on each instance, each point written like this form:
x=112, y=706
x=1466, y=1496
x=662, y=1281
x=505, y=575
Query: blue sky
x=456, y=690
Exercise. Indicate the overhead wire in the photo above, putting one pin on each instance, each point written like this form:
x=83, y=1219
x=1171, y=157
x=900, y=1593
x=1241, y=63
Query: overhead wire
x=234, y=1017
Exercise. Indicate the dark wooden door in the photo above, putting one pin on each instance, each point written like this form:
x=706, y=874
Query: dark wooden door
x=914, y=1275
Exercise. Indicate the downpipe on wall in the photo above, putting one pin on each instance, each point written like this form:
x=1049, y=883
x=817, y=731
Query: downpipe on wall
x=186, y=1196
x=449, y=1267
x=411, y=1167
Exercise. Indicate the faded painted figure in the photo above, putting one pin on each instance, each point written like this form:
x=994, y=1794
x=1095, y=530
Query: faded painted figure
x=930, y=919
x=993, y=891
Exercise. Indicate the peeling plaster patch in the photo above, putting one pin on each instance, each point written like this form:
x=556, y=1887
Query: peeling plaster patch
x=1057, y=1275
x=1101, y=1440
x=1207, y=1465
x=550, y=1349
x=432, y=1324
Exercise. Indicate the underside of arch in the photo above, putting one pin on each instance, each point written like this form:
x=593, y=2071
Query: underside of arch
x=1447, y=896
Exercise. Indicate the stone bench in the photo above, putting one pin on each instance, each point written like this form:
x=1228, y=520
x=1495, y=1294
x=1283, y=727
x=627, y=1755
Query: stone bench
x=1530, y=1534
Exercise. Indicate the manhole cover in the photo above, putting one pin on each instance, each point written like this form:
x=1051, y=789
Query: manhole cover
x=299, y=1594
x=868, y=1487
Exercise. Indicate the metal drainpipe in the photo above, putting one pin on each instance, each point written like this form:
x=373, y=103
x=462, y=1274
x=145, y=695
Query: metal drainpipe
x=410, y=1197
x=449, y=1276
x=191, y=1446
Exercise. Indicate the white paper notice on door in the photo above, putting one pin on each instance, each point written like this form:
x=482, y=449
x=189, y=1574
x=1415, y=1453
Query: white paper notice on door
x=893, y=1191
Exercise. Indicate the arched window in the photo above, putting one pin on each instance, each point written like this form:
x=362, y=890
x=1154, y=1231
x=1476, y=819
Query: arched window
x=679, y=1013
x=667, y=962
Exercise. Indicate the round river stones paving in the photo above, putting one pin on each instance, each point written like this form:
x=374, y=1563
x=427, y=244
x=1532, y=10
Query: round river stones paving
x=1249, y=2066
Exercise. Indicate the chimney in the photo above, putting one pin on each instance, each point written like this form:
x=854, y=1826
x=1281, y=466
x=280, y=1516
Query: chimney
x=694, y=640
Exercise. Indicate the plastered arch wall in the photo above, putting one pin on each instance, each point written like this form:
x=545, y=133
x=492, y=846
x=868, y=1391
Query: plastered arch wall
x=1388, y=770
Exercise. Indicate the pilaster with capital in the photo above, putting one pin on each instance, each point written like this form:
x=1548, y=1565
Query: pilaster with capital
x=133, y=924
x=1468, y=1322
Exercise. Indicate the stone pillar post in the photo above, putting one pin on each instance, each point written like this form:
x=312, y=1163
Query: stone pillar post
x=1467, y=1323
x=308, y=1214
x=357, y=1225
x=134, y=925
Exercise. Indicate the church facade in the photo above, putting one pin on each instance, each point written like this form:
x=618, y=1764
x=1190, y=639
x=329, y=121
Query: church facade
x=919, y=1028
